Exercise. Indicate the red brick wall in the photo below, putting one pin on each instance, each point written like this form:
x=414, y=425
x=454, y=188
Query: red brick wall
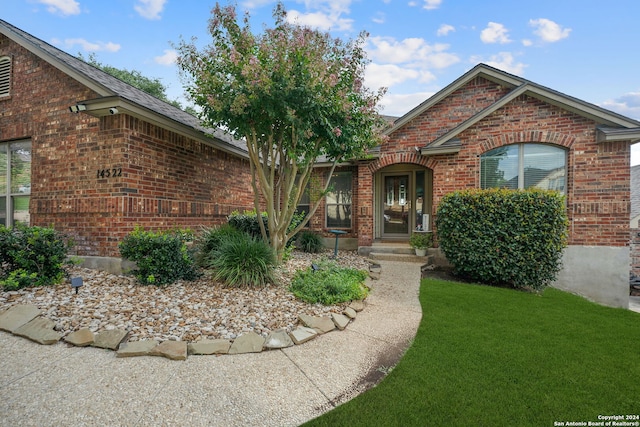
x=597, y=174
x=167, y=180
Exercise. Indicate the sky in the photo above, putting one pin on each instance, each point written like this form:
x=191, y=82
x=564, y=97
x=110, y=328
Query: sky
x=584, y=48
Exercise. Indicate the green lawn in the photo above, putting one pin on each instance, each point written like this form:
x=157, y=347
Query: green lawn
x=498, y=357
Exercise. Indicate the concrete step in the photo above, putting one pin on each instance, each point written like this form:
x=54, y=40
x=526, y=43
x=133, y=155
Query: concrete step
x=386, y=249
x=401, y=257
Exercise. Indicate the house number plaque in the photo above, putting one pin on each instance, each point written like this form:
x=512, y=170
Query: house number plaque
x=109, y=173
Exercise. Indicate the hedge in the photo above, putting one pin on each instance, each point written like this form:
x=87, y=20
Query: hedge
x=504, y=237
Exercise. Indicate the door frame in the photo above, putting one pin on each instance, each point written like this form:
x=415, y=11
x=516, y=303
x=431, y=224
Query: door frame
x=380, y=197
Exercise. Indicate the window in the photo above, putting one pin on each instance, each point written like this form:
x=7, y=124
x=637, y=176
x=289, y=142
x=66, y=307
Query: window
x=5, y=76
x=522, y=166
x=15, y=182
x=305, y=201
x=339, y=201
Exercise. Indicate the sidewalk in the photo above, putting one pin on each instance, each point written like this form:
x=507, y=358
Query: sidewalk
x=70, y=386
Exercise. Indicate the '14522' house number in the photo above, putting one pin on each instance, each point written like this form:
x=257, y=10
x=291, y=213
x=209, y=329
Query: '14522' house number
x=109, y=173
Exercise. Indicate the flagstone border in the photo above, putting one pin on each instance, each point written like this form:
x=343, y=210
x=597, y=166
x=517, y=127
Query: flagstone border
x=26, y=320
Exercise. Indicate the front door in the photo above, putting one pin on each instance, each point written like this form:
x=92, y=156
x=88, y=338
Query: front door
x=396, y=205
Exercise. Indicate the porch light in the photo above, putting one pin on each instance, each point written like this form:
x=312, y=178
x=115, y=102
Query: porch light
x=77, y=108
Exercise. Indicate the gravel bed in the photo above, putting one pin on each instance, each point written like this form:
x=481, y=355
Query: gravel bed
x=185, y=310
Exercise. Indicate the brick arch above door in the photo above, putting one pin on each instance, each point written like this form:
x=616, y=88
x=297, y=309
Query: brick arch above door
x=385, y=160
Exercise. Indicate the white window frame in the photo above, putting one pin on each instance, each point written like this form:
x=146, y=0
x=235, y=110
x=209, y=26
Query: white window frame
x=521, y=158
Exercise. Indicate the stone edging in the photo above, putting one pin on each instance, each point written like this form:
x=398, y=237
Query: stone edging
x=25, y=320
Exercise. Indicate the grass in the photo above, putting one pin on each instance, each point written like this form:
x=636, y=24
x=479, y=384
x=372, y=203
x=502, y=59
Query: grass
x=487, y=356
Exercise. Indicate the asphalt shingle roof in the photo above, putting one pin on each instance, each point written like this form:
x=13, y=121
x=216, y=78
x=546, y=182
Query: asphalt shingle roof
x=112, y=86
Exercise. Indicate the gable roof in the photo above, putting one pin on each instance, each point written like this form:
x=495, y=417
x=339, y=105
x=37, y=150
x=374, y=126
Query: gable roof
x=612, y=126
x=114, y=93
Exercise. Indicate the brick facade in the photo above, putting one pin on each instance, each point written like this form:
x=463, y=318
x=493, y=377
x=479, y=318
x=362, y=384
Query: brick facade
x=163, y=179
x=597, y=174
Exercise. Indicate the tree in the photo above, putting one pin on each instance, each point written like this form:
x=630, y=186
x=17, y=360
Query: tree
x=294, y=94
x=152, y=86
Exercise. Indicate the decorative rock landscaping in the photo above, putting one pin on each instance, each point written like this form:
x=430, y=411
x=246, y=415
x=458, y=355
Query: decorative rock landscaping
x=26, y=320
x=184, y=312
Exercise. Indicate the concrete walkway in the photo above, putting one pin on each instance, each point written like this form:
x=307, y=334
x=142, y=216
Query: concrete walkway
x=69, y=386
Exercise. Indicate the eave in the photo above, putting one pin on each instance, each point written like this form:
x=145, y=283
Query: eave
x=100, y=107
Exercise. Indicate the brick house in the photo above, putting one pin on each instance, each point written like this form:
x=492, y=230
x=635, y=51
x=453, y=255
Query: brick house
x=94, y=157
x=490, y=128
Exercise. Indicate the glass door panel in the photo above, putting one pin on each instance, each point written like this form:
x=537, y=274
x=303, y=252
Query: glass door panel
x=397, y=205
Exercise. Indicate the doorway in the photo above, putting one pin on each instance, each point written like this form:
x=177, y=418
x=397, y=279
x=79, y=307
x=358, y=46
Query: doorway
x=404, y=201
x=396, y=206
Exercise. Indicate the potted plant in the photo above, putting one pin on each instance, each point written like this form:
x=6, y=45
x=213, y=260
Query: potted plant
x=420, y=241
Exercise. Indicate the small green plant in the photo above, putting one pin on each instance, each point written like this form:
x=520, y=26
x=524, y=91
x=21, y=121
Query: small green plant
x=31, y=256
x=311, y=242
x=161, y=257
x=243, y=261
x=421, y=240
x=18, y=279
x=329, y=284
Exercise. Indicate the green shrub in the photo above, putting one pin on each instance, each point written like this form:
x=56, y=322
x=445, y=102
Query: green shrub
x=210, y=241
x=161, y=257
x=504, y=237
x=330, y=284
x=311, y=242
x=243, y=261
x=31, y=256
x=248, y=222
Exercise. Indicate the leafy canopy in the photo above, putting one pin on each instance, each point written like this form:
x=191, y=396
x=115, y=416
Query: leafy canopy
x=293, y=94
x=152, y=86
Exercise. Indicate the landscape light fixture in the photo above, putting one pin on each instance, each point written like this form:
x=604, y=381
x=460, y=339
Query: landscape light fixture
x=77, y=108
x=76, y=282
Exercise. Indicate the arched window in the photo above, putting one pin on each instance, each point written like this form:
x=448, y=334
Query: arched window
x=5, y=76
x=522, y=166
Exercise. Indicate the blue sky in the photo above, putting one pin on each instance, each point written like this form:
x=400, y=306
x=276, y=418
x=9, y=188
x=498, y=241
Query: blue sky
x=583, y=48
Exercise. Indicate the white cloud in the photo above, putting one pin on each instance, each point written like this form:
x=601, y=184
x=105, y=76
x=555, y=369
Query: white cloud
x=87, y=45
x=387, y=75
x=503, y=61
x=169, y=57
x=323, y=14
x=252, y=4
x=445, y=29
x=627, y=104
x=400, y=104
x=63, y=7
x=379, y=18
x=431, y=4
x=150, y=9
x=548, y=30
x=414, y=51
x=495, y=33
x=320, y=20
x=527, y=42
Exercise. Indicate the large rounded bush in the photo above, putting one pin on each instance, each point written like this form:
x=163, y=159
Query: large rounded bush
x=504, y=237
